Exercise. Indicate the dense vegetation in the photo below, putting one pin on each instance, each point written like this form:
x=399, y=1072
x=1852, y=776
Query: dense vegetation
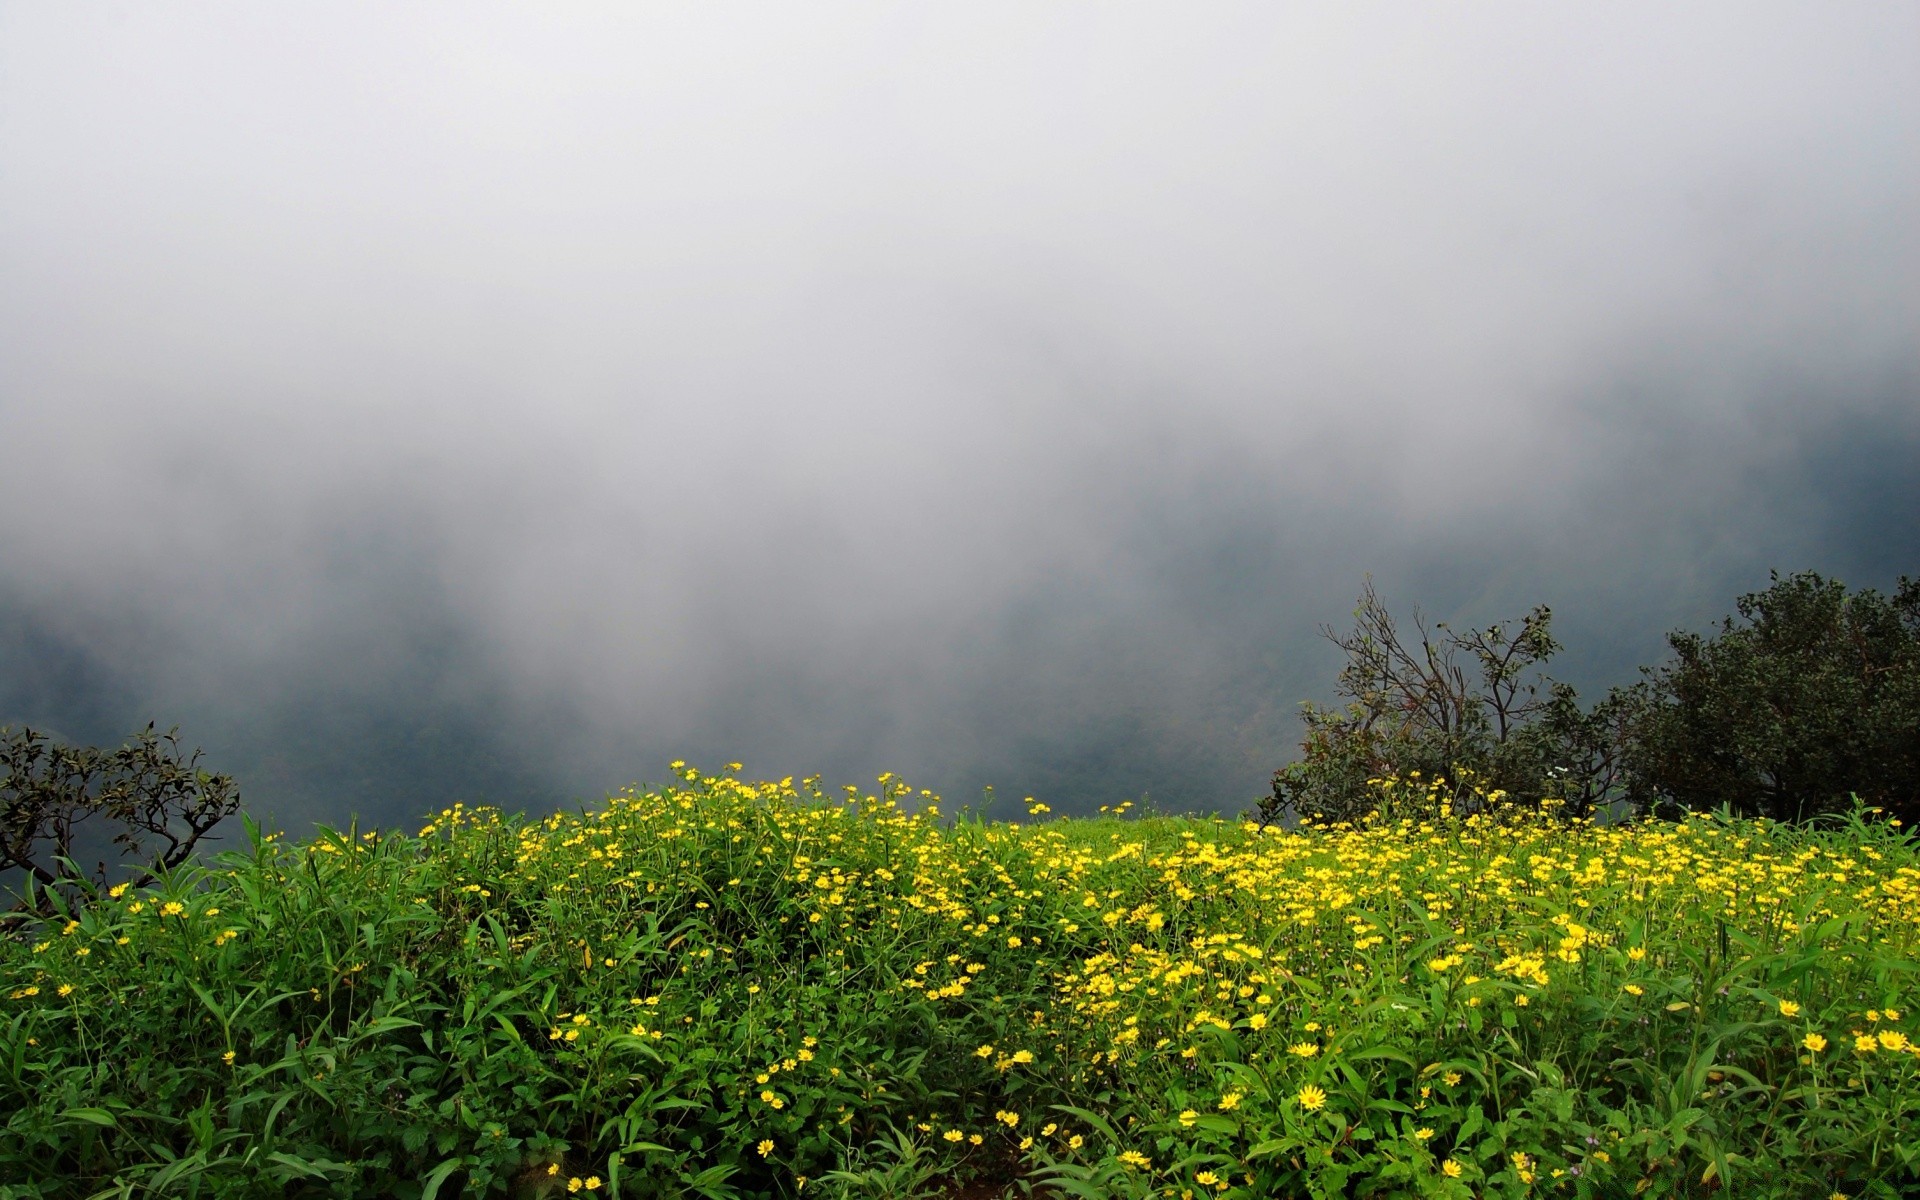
x=724, y=988
x=1805, y=703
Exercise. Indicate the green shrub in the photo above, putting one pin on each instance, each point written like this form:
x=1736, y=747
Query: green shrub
x=1810, y=699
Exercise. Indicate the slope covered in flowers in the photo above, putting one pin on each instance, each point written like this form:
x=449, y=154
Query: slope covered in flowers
x=727, y=988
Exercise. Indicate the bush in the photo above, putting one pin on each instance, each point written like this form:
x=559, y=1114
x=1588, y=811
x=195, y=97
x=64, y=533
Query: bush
x=1811, y=698
x=1470, y=710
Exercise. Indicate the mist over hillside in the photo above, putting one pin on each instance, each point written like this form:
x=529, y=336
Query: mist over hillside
x=495, y=406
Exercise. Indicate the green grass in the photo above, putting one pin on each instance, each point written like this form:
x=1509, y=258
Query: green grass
x=725, y=989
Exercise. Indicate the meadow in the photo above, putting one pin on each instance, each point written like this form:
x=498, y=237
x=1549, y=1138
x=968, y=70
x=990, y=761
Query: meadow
x=725, y=988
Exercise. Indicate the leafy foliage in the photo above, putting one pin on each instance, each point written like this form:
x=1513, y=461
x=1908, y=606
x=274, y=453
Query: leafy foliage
x=731, y=989
x=1809, y=699
x=159, y=803
x=1469, y=708
x=1813, y=697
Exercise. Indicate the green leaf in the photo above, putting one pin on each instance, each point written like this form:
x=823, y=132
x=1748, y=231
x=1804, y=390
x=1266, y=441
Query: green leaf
x=295, y=1167
x=380, y=1025
x=708, y=1182
x=206, y=998
x=439, y=1176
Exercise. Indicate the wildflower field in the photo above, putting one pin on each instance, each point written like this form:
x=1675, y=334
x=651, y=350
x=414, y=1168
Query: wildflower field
x=734, y=989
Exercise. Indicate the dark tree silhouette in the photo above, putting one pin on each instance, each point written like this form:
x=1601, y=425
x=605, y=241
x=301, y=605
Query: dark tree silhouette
x=159, y=801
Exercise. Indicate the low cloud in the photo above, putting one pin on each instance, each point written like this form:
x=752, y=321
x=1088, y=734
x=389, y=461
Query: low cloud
x=429, y=405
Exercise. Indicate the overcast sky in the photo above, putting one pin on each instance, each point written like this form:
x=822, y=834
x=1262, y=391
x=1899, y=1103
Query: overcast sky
x=428, y=402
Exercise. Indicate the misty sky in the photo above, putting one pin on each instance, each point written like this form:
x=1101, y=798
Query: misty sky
x=456, y=401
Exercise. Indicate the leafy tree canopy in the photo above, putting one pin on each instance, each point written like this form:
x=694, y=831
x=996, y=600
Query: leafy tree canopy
x=1806, y=699
x=1811, y=697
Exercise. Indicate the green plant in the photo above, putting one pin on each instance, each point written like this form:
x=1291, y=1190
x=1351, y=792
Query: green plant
x=1449, y=705
x=1810, y=698
x=756, y=990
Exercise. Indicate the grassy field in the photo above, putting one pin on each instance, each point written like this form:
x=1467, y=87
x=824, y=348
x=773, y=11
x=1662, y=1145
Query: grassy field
x=734, y=989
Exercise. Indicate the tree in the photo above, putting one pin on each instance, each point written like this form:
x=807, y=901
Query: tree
x=161, y=802
x=1469, y=708
x=1811, y=698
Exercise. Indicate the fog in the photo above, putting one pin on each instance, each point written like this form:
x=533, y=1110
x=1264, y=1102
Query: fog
x=433, y=402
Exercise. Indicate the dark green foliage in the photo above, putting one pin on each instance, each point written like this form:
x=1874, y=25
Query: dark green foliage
x=159, y=803
x=1814, y=694
x=1810, y=697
